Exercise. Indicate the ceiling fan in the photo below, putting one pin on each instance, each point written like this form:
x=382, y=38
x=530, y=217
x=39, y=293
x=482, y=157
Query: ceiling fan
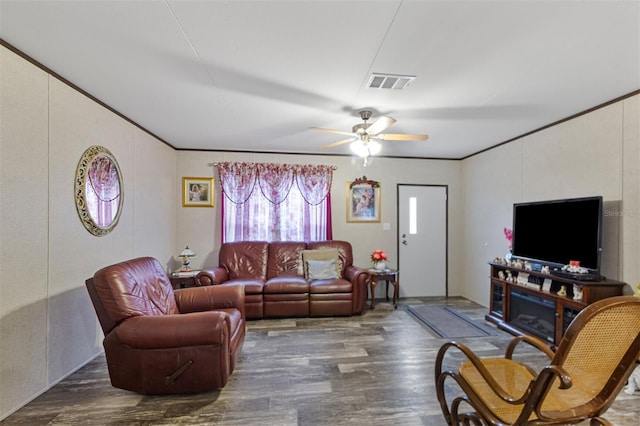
x=364, y=137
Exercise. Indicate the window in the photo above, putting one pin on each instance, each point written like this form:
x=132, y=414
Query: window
x=275, y=202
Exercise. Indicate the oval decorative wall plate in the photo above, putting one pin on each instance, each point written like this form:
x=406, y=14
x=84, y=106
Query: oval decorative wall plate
x=99, y=191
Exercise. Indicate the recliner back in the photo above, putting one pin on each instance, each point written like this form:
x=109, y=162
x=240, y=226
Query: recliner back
x=285, y=259
x=137, y=287
x=105, y=320
x=244, y=259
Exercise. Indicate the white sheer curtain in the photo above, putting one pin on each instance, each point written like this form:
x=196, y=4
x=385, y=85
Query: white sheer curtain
x=275, y=202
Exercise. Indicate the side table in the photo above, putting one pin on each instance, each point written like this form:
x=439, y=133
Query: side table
x=388, y=275
x=183, y=279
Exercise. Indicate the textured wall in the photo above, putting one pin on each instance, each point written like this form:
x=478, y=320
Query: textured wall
x=594, y=154
x=47, y=325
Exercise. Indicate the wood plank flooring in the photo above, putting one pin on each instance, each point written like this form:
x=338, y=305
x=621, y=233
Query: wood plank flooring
x=373, y=369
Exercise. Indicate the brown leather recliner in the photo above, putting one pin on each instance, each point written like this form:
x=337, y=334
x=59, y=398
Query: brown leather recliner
x=158, y=341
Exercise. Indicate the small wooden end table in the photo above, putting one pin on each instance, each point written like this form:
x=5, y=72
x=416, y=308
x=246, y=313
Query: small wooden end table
x=183, y=279
x=388, y=275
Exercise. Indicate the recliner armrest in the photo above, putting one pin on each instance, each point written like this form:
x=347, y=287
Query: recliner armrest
x=354, y=273
x=198, y=299
x=212, y=276
x=171, y=331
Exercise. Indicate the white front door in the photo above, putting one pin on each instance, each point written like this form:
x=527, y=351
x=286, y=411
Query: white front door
x=422, y=240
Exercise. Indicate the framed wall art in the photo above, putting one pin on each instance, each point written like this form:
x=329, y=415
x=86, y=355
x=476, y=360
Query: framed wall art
x=197, y=192
x=363, y=201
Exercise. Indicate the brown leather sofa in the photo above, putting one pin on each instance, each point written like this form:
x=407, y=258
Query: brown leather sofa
x=158, y=341
x=276, y=283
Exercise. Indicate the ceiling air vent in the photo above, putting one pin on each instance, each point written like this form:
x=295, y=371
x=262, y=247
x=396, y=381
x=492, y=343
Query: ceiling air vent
x=390, y=81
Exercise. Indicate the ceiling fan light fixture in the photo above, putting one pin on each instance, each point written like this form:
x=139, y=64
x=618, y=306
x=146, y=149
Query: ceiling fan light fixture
x=365, y=148
x=374, y=147
x=359, y=148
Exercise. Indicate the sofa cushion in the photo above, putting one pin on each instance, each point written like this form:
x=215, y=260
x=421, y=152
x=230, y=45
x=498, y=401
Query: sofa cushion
x=285, y=259
x=321, y=255
x=287, y=285
x=250, y=286
x=345, y=253
x=339, y=285
x=245, y=259
x=321, y=269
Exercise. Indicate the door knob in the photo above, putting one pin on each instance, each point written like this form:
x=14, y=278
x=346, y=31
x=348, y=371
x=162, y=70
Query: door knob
x=404, y=242
x=404, y=235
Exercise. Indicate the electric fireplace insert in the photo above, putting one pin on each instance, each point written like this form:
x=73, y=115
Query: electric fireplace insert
x=532, y=313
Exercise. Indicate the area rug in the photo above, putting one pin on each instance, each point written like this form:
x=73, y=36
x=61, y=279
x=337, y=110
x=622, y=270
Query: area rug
x=446, y=322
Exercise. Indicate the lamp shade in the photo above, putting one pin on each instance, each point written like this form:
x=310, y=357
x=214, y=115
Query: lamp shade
x=187, y=252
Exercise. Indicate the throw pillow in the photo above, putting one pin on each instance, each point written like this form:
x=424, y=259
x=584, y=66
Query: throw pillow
x=321, y=269
x=325, y=254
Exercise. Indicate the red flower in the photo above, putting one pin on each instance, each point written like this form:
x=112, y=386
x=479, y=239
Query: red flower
x=378, y=255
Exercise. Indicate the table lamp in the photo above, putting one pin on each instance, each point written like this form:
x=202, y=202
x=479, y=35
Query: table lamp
x=185, y=255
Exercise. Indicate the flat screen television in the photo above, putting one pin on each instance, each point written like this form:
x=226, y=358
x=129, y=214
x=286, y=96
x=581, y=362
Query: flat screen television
x=556, y=232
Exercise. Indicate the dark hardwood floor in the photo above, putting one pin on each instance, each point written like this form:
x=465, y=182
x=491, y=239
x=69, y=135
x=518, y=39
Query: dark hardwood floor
x=373, y=369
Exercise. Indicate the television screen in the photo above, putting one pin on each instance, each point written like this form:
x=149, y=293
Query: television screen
x=556, y=232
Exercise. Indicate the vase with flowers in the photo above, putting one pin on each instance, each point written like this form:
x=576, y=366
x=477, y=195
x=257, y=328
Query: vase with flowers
x=508, y=235
x=379, y=260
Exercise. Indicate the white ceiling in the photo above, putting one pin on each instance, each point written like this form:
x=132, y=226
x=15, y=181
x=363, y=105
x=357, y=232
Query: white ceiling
x=256, y=75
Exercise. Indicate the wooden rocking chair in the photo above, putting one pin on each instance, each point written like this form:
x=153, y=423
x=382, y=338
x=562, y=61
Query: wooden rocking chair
x=591, y=365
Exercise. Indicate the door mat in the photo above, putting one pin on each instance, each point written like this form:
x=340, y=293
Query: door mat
x=446, y=322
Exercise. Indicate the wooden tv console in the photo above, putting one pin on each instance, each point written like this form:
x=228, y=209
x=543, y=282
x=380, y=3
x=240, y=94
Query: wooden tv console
x=529, y=303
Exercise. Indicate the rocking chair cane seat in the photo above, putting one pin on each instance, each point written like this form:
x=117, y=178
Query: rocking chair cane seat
x=514, y=378
x=593, y=361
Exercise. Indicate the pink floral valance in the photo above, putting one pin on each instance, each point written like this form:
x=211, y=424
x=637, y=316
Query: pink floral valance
x=239, y=180
x=275, y=181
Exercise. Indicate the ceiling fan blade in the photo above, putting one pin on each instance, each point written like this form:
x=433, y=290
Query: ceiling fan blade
x=342, y=142
x=340, y=132
x=379, y=125
x=402, y=137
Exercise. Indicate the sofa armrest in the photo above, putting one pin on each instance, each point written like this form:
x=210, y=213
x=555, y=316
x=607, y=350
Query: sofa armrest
x=355, y=274
x=212, y=276
x=358, y=278
x=172, y=331
x=199, y=299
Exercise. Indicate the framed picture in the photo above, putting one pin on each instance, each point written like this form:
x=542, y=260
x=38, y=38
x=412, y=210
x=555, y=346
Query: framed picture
x=363, y=201
x=197, y=192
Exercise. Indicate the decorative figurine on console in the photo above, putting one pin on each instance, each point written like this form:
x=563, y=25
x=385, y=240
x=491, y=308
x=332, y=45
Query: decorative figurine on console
x=577, y=292
x=527, y=265
x=509, y=277
x=545, y=269
x=562, y=291
x=637, y=292
x=517, y=263
x=501, y=275
x=575, y=268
